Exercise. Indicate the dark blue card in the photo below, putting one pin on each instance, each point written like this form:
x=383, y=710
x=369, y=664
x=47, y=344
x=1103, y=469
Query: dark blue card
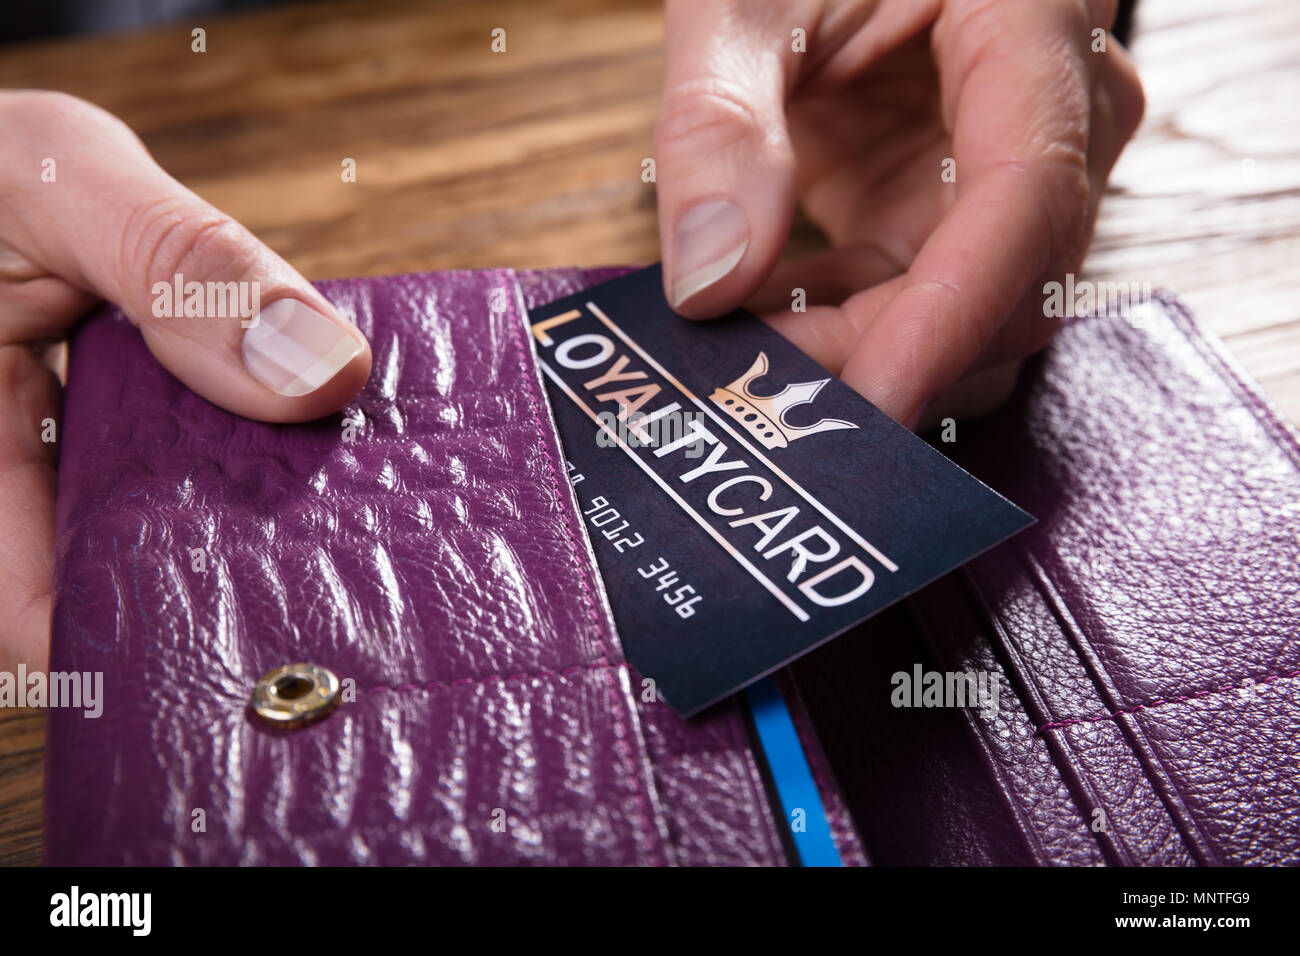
x=744, y=504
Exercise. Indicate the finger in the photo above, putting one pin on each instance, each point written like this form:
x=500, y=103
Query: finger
x=972, y=396
x=829, y=334
x=114, y=224
x=32, y=307
x=828, y=277
x=29, y=400
x=1102, y=13
x=1015, y=93
x=1117, y=107
x=40, y=309
x=725, y=168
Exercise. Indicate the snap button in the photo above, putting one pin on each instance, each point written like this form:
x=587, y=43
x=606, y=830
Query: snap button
x=295, y=695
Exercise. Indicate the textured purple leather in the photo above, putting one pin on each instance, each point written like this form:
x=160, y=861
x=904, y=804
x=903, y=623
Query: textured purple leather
x=398, y=561
x=1144, y=631
x=437, y=560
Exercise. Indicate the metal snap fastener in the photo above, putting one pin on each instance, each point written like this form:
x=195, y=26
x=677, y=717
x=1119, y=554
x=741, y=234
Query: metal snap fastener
x=295, y=695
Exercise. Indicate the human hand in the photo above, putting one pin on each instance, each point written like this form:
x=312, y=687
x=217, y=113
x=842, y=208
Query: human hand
x=104, y=221
x=931, y=292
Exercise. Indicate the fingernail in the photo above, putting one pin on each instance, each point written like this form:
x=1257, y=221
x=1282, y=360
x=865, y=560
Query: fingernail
x=293, y=349
x=711, y=238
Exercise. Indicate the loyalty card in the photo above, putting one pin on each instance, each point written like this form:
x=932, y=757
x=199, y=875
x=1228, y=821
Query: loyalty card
x=744, y=504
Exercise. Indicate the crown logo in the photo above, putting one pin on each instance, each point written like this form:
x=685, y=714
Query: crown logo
x=764, y=418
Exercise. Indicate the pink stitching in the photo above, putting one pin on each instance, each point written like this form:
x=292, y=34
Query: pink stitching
x=1175, y=700
x=503, y=678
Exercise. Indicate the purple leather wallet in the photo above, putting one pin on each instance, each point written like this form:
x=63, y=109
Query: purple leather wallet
x=424, y=545
x=1142, y=633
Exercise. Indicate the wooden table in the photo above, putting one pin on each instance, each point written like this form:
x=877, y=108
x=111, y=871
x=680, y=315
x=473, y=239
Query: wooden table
x=532, y=157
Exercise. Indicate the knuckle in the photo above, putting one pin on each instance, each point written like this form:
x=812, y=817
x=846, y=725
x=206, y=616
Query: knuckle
x=181, y=236
x=1065, y=181
x=50, y=123
x=708, y=110
x=38, y=106
x=1130, y=99
x=49, y=111
x=1059, y=184
x=955, y=323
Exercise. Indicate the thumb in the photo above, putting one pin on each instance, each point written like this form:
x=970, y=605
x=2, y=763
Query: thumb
x=725, y=168
x=190, y=277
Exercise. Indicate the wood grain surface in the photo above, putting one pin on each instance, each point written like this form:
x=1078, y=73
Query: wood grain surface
x=532, y=158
